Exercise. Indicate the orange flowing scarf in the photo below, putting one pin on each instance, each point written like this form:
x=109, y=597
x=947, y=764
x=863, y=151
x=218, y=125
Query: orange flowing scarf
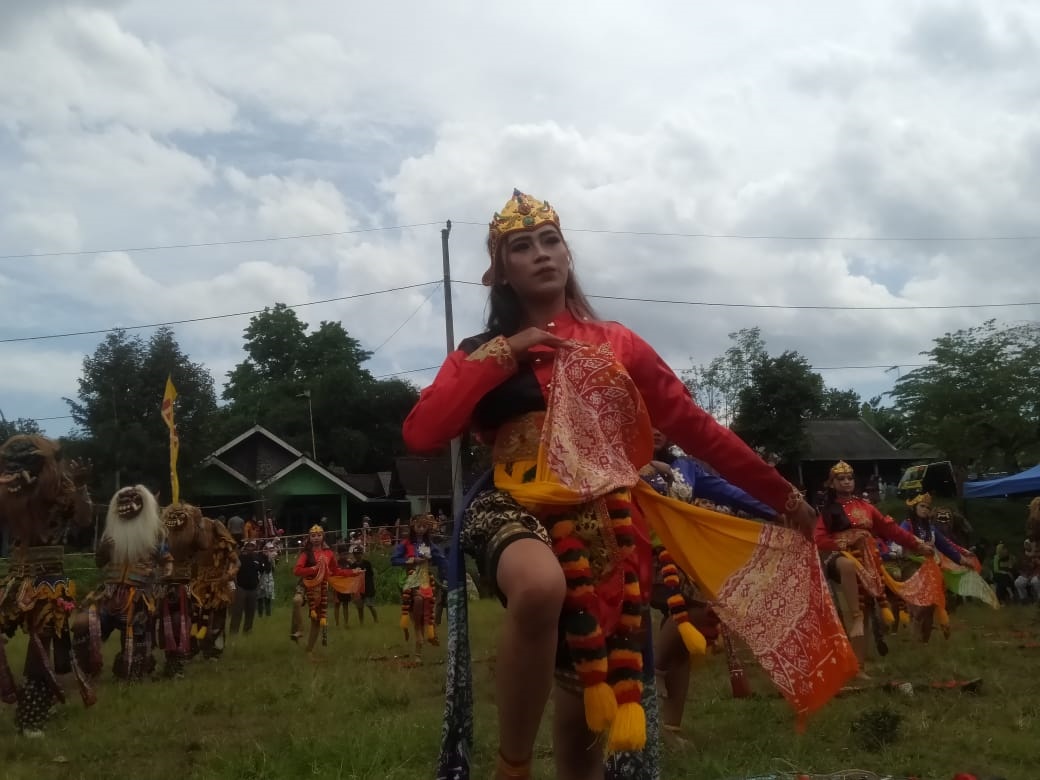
x=766, y=579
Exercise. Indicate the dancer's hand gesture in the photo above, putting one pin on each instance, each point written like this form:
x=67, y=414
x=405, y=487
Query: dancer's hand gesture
x=522, y=342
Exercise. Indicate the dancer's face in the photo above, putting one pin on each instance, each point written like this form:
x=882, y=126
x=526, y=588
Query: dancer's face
x=844, y=484
x=923, y=510
x=537, y=263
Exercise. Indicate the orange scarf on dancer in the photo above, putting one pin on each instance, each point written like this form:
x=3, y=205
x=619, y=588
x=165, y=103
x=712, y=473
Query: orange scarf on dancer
x=766, y=579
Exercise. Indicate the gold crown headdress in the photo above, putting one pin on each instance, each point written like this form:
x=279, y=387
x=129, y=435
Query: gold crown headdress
x=920, y=498
x=522, y=212
x=841, y=468
x=317, y=529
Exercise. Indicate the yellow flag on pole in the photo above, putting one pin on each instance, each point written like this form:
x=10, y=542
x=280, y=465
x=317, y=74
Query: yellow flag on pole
x=167, y=414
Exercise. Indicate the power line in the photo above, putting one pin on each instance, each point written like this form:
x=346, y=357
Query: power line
x=780, y=237
x=218, y=316
x=602, y=231
x=834, y=307
x=204, y=244
x=409, y=371
x=668, y=301
x=408, y=318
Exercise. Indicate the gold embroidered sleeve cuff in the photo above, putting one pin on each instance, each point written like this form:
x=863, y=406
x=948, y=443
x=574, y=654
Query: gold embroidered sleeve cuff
x=794, y=499
x=496, y=350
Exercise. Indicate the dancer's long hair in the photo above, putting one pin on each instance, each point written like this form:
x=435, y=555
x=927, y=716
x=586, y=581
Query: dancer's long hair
x=834, y=517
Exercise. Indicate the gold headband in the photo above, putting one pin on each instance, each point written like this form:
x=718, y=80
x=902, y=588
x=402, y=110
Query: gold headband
x=921, y=498
x=317, y=529
x=522, y=212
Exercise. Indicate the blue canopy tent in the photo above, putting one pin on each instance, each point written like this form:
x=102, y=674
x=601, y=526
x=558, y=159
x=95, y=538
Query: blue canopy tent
x=1026, y=482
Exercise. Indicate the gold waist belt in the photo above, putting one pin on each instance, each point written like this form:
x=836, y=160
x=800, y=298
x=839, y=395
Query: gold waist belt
x=518, y=439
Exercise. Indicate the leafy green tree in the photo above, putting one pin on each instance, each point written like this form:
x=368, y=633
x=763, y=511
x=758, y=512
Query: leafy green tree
x=717, y=386
x=784, y=393
x=840, y=404
x=118, y=406
x=887, y=421
x=24, y=425
x=978, y=399
x=357, y=419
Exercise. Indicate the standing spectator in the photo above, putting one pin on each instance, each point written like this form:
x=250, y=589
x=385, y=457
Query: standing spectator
x=1004, y=573
x=251, y=530
x=265, y=591
x=441, y=575
x=368, y=598
x=366, y=530
x=236, y=527
x=874, y=489
x=247, y=581
x=343, y=561
x=269, y=530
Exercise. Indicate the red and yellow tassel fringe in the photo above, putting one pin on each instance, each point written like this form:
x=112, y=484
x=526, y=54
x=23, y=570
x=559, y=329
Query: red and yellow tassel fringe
x=610, y=668
x=625, y=659
x=693, y=639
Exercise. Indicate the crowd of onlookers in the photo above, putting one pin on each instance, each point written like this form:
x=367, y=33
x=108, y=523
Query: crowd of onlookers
x=262, y=543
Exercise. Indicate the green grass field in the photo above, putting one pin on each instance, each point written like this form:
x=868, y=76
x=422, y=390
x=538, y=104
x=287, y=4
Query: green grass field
x=265, y=711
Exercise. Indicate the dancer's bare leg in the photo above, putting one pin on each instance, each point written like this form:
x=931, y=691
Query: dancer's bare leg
x=675, y=664
x=855, y=620
x=850, y=593
x=576, y=750
x=530, y=578
x=312, y=638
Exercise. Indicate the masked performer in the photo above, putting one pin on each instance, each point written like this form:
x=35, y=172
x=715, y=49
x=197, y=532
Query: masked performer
x=183, y=623
x=41, y=500
x=318, y=571
x=846, y=534
x=132, y=555
x=419, y=558
x=212, y=587
x=566, y=400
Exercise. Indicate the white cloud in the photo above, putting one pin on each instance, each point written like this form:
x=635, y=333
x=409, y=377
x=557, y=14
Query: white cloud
x=135, y=125
x=78, y=67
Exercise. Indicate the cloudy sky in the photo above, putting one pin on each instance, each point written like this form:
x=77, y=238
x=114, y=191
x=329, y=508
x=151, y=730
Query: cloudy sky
x=139, y=124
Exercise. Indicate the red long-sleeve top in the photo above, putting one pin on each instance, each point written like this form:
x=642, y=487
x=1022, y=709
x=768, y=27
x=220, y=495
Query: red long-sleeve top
x=445, y=408
x=301, y=569
x=863, y=514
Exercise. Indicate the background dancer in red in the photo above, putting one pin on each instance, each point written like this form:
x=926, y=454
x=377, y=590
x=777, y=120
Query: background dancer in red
x=850, y=524
x=315, y=567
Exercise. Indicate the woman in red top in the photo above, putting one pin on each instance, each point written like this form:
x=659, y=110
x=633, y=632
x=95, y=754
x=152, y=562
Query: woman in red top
x=314, y=567
x=851, y=524
x=498, y=383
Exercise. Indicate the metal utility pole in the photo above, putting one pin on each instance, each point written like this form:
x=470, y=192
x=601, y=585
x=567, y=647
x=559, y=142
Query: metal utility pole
x=449, y=333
